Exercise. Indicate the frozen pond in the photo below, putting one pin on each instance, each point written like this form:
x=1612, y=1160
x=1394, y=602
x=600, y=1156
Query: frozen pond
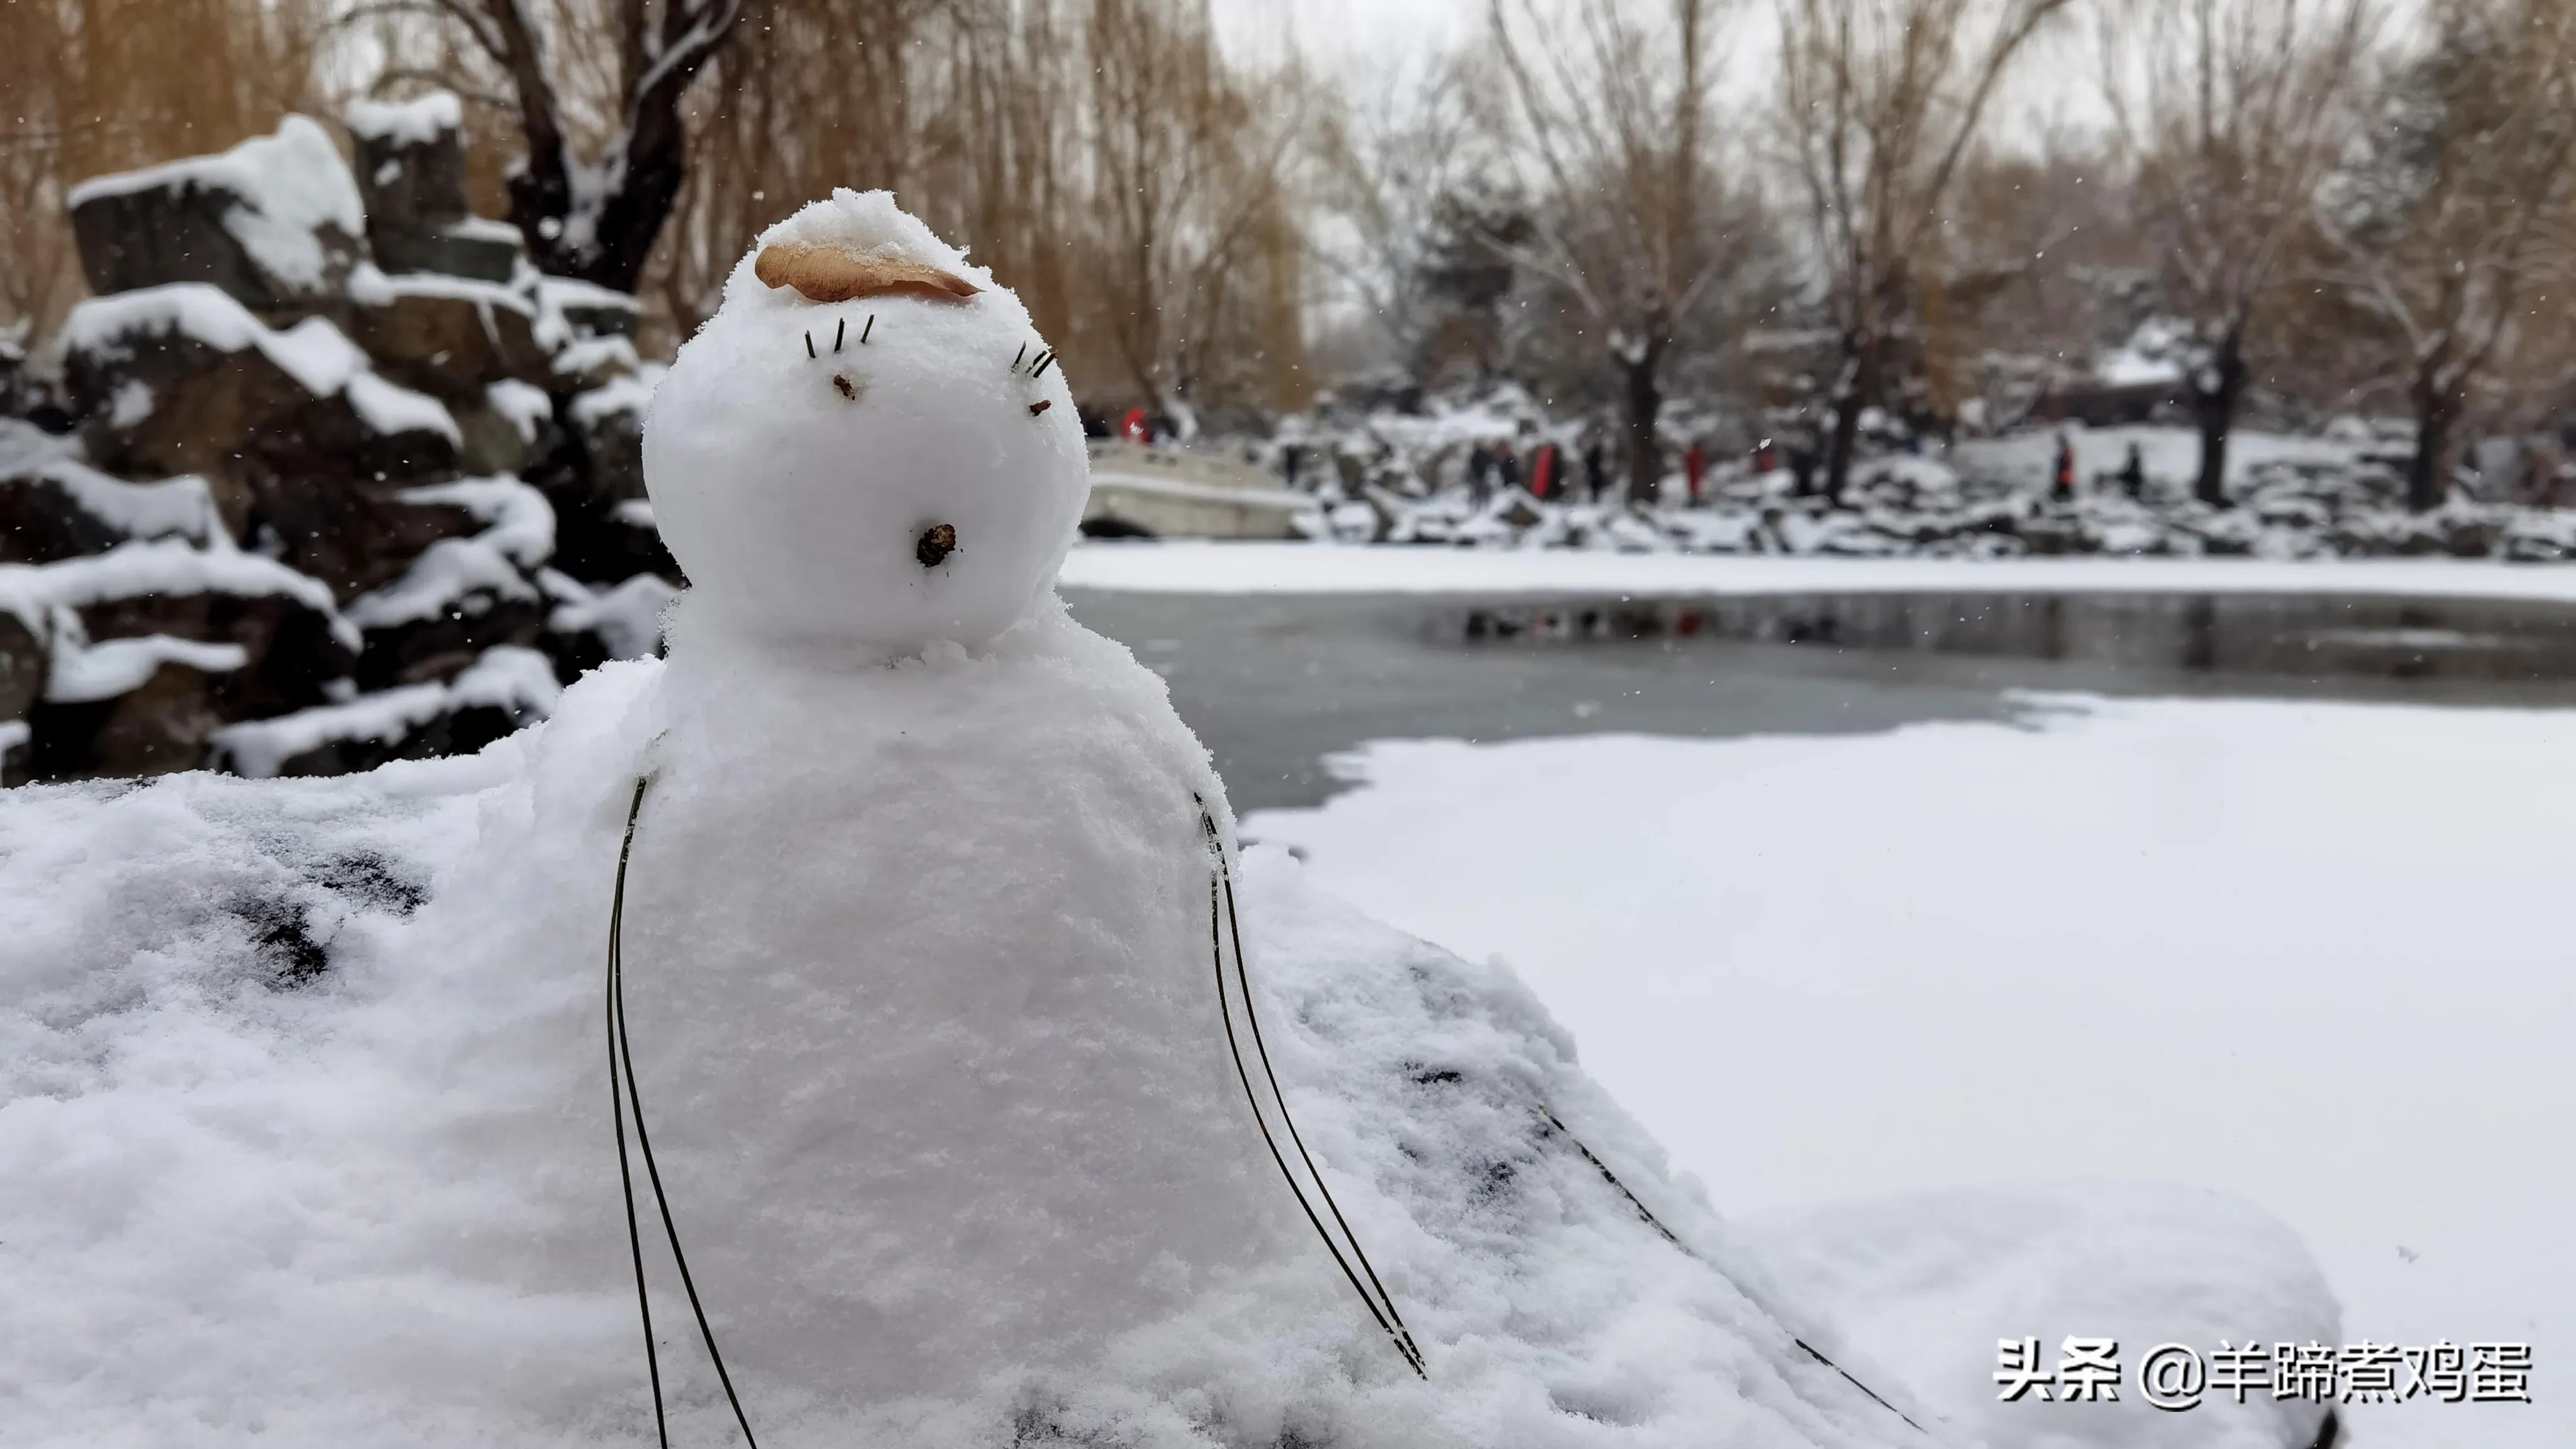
x=1276, y=682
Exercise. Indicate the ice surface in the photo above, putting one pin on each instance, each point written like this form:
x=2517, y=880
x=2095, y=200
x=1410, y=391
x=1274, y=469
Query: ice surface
x=796, y=487
x=1189, y=567
x=2117, y=941
x=79, y=673
x=289, y=183
x=415, y=122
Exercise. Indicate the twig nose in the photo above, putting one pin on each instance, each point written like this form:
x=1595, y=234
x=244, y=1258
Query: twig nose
x=937, y=542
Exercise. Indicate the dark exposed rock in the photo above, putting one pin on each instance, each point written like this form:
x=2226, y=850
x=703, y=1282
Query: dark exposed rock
x=445, y=336
x=411, y=162
x=155, y=729
x=275, y=223
x=608, y=426
x=487, y=251
x=411, y=174
x=22, y=664
x=587, y=310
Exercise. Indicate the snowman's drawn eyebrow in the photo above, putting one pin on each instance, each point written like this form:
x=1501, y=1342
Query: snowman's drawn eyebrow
x=1016, y=356
x=1046, y=360
x=838, y=332
x=809, y=345
x=871, y=327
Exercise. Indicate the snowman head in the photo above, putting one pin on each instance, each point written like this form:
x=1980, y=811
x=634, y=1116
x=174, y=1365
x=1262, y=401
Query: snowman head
x=867, y=443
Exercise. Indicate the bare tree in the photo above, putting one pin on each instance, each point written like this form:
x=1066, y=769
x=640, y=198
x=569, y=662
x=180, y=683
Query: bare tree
x=2452, y=222
x=597, y=218
x=1881, y=103
x=2231, y=116
x=1400, y=157
x=1631, y=222
x=94, y=86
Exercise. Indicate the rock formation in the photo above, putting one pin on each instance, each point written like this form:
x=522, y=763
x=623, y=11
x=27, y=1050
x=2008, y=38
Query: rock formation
x=327, y=474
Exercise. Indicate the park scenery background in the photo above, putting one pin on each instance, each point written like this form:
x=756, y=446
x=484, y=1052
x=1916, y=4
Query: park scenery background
x=1964, y=601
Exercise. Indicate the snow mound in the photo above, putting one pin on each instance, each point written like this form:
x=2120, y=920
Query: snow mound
x=277, y=1159
x=1928, y=1283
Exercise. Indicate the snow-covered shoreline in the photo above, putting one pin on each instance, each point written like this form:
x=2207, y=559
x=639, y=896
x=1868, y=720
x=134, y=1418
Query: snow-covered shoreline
x=1310, y=568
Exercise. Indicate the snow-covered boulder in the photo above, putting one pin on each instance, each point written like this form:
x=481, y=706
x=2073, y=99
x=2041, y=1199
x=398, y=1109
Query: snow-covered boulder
x=275, y=223
x=152, y=646
x=450, y=337
x=411, y=176
x=503, y=690
x=459, y=598
x=54, y=506
x=580, y=309
x=183, y=379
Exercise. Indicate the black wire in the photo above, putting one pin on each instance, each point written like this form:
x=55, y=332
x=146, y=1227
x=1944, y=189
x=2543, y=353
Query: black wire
x=617, y=1115
x=621, y=1044
x=1402, y=1340
x=1658, y=1225
x=1216, y=954
x=1261, y=1049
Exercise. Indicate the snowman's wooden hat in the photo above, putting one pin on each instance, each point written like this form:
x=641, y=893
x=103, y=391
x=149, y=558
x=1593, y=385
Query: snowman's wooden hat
x=827, y=273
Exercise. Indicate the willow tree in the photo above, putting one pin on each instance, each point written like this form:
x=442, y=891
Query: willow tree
x=1881, y=102
x=1631, y=221
x=2230, y=117
x=2452, y=223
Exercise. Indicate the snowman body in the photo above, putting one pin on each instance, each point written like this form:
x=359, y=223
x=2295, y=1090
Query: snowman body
x=920, y=988
x=920, y=968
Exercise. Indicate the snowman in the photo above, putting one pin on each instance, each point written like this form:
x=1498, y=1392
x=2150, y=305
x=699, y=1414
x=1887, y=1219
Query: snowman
x=930, y=998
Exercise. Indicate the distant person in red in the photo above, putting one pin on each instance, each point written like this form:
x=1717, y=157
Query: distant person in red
x=2063, y=487
x=1695, y=468
x=1543, y=470
x=1765, y=460
x=1134, y=428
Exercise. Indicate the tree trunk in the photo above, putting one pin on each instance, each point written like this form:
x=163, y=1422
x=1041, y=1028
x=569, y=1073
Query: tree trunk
x=606, y=239
x=2428, y=473
x=1842, y=445
x=1645, y=405
x=2214, y=410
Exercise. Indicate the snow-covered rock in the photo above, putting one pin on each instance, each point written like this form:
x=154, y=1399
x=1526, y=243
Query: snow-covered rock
x=275, y=222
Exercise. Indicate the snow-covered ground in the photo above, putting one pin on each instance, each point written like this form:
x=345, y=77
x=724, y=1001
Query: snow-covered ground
x=1305, y=568
x=2315, y=955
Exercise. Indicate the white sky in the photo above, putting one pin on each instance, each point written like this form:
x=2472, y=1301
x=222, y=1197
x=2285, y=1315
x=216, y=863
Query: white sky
x=2055, y=86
